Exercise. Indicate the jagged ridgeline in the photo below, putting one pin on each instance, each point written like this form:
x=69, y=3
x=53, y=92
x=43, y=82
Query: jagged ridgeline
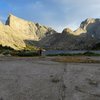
x=20, y=34
x=85, y=37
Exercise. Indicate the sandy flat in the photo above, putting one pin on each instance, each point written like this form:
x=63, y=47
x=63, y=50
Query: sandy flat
x=43, y=79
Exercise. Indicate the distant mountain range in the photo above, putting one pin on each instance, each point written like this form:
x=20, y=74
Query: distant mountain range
x=18, y=33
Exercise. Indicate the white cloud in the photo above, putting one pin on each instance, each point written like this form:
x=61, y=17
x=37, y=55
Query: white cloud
x=65, y=13
x=75, y=11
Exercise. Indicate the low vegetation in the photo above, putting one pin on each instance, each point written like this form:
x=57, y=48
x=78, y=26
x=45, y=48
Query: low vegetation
x=25, y=53
x=75, y=59
x=4, y=50
x=29, y=51
x=77, y=54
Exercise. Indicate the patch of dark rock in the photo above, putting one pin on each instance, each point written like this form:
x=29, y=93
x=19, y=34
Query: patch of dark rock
x=55, y=80
x=78, y=89
x=97, y=95
x=92, y=82
x=64, y=86
x=51, y=75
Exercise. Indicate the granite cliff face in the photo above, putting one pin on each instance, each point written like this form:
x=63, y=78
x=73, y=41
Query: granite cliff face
x=10, y=38
x=85, y=37
x=32, y=30
x=23, y=27
x=16, y=32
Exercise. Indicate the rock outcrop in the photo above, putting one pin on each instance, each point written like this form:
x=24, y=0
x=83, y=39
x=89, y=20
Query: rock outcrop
x=85, y=37
x=17, y=32
x=67, y=31
x=10, y=38
x=23, y=27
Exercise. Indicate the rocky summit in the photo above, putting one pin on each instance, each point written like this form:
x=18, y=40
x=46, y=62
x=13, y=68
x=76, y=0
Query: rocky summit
x=17, y=33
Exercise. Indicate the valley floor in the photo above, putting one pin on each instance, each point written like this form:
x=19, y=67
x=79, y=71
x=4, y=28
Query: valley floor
x=43, y=79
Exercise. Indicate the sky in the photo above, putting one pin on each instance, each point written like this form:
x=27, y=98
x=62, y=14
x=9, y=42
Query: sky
x=58, y=14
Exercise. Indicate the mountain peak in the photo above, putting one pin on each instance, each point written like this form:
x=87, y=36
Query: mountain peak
x=10, y=15
x=88, y=21
x=67, y=31
x=13, y=20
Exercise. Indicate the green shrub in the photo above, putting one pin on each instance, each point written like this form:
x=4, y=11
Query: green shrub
x=5, y=48
x=27, y=53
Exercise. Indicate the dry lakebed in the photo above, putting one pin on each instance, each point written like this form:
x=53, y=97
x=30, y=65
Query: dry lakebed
x=49, y=78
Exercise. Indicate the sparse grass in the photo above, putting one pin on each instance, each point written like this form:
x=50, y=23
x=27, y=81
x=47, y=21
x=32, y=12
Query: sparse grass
x=76, y=59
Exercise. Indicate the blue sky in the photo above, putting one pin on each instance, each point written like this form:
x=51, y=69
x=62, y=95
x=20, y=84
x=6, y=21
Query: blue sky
x=57, y=14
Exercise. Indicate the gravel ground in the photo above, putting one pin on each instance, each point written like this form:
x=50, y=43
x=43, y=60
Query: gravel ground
x=43, y=79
